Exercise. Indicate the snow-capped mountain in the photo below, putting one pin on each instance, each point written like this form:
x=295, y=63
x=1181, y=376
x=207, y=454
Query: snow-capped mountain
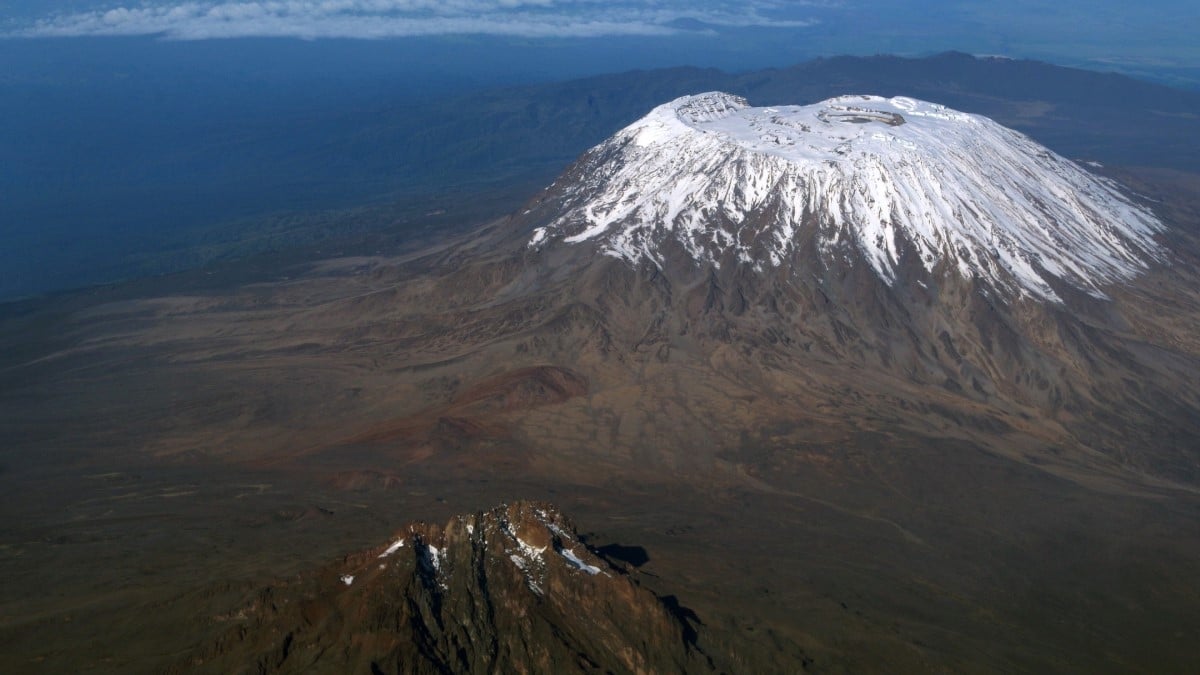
x=889, y=182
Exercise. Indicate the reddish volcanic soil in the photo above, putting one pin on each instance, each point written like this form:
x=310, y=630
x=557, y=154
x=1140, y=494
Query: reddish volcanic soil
x=168, y=451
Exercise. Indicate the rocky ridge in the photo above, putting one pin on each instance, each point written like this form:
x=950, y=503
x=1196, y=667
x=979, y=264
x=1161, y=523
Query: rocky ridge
x=511, y=589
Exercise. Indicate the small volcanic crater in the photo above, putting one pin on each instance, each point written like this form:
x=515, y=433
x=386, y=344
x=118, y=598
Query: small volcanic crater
x=857, y=115
x=524, y=388
x=478, y=412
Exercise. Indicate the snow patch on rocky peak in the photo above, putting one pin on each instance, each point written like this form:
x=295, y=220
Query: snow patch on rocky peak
x=395, y=546
x=578, y=563
x=891, y=178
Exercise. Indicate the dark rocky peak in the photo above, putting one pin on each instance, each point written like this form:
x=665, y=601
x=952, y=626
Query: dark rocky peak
x=511, y=589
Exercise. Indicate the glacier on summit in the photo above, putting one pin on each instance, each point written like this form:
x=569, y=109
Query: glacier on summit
x=891, y=178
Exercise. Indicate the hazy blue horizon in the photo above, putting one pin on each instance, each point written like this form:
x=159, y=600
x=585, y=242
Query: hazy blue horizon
x=126, y=121
x=1154, y=40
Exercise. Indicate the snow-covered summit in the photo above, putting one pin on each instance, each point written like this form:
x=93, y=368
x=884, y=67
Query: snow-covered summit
x=894, y=179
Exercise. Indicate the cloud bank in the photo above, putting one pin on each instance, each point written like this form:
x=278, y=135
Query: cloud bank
x=373, y=19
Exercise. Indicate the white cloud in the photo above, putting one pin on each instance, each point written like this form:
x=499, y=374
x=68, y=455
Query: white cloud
x=197, y=20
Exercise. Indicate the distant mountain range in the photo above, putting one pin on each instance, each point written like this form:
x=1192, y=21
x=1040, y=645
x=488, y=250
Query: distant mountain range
x=117, y=177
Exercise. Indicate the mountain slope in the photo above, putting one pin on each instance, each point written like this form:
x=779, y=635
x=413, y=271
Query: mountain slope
x=932, y=472
x=141, y=170
x=962, y=269
x=886, y=179
x=511, y=589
